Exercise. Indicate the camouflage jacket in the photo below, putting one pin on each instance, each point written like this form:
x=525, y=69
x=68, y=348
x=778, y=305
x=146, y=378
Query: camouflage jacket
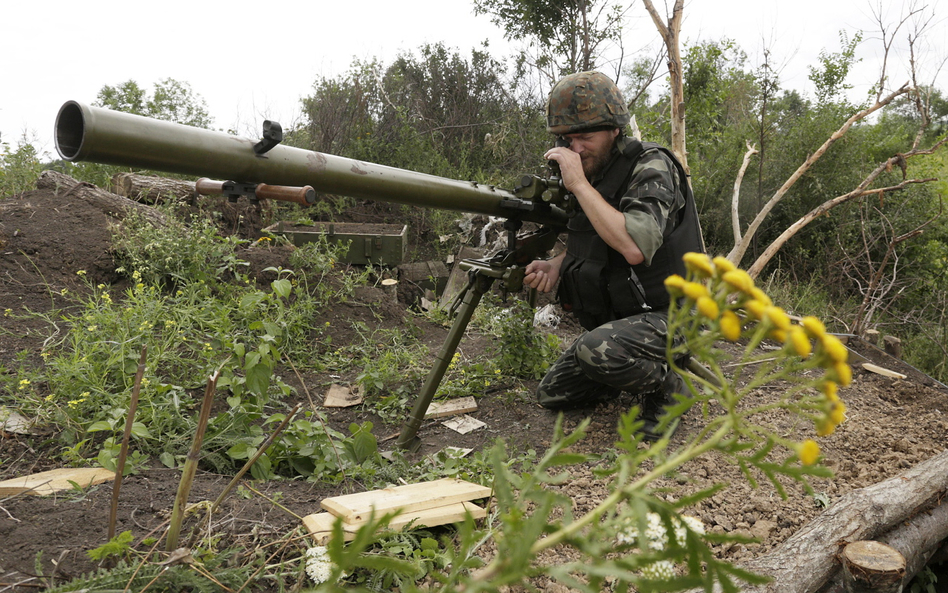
x=645, y=183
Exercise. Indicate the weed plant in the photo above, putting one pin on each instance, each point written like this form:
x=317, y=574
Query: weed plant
x=192, y=306
x=633, y=537
x=19, y=168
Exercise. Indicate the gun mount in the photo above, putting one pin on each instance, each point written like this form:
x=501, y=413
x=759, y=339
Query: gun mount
x=109, y=137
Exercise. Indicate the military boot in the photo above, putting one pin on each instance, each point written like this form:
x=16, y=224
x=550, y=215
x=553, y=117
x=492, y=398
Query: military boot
x=654, y=404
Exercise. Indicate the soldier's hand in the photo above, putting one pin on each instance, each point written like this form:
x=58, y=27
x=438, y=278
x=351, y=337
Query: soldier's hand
x=542, y=275
x=571, y=166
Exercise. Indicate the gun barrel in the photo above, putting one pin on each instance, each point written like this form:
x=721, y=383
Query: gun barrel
x=109, y=137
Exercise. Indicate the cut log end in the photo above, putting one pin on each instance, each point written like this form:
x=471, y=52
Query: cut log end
x=870, y=566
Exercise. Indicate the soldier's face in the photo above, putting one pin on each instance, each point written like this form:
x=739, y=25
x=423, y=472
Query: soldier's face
x=593, y=148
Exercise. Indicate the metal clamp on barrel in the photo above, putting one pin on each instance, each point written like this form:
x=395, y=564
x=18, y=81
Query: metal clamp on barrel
x=255, y=192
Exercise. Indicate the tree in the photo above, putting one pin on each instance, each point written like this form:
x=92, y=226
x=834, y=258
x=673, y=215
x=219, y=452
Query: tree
x=670, y=33
x=170, y=100
x=433, y=111
x=561, y=36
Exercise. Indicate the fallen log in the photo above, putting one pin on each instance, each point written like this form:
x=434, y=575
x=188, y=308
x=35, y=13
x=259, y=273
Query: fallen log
x=149, y=189
x=113, y=205
x=919, y=539
x=808, y=560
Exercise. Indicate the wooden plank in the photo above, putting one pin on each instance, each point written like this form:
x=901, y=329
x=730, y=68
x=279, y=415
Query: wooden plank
x=464, y=424
x=452, y=407
x=340, y=396
x=56, y=480
x=882, y=371
x=354, y=508
x=320, y=524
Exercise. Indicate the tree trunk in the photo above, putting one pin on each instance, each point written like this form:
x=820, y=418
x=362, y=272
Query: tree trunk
x=152, y=190
x=114, y=205
x=911, y=502
x=671, y=35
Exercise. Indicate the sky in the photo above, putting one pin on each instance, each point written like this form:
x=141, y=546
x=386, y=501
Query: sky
x=252, y=61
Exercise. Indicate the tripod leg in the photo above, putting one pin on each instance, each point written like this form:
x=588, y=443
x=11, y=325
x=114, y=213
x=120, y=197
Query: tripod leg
x=473, y=293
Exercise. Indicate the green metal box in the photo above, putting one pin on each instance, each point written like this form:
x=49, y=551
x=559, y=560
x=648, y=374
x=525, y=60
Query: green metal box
x=379, y=244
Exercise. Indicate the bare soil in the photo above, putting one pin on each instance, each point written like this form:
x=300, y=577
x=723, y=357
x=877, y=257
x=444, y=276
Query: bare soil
x=45, y=239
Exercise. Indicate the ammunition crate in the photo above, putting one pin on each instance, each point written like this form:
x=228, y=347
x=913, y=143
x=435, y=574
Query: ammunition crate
x=378, y=244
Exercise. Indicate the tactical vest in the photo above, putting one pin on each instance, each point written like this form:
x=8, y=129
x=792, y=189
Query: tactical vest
x=596, y=282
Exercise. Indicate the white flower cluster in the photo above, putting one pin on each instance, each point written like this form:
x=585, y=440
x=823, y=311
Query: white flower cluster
x=318, y=565
x=662, y=570
x=656, y=534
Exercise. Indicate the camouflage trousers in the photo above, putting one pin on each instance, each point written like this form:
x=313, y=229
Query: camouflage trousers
x=622, y=355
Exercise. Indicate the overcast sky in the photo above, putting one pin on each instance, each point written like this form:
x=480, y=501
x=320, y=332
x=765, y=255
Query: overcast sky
x=254, y=60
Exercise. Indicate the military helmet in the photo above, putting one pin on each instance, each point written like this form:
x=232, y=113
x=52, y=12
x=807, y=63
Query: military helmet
x=579, y=102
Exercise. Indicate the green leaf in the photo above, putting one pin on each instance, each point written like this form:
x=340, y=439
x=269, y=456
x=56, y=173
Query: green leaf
x=239, y=451
x=282, y=287
x=99, y=425
x=139, y=430
x=258, y=378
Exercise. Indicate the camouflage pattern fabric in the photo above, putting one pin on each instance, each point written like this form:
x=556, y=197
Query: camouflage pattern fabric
x=622, y=355
x=585, y=100
x=652, y=203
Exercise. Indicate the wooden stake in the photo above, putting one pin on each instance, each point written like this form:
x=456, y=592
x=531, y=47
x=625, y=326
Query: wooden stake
x=233, y=483
x=190, y=464
x=123, y=454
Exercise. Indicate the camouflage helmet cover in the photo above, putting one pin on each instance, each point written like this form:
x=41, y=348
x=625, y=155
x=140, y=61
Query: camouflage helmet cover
x=585, y=100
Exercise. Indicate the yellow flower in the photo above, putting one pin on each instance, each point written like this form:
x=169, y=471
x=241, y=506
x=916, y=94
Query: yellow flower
x=825, y=427
x=809, y=452
x=844, y=374
x=777, y=317
x=814, y=327
x=837, y=413
x=675, y=285
x=739, y=280
x=730, y=326
x=834, y=348
x=829, y=390
x=723, y=265
x=695, y=291
x=80, y=273
x=755, y=308
x=761, y=296
x=699, y=264
x=799, y=341
x=24, y=383
x=778, y=335
x=708, y=307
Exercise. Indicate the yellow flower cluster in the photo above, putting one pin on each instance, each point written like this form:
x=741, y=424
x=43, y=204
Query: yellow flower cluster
x=729, y=302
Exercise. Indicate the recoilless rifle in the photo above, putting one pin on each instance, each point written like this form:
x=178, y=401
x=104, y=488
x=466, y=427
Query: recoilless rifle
x=268, y=169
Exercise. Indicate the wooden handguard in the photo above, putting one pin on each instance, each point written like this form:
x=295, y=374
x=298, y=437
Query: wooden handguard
x=305, y=195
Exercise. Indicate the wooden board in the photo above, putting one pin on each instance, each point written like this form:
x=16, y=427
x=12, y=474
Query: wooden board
x=451, y=407
x=320, y=524
x=354, y=508
x=340, y=396
x=56, y=480
x=882, y=371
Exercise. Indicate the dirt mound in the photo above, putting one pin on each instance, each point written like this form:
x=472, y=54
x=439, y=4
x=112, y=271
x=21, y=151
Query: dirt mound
x=47, y=237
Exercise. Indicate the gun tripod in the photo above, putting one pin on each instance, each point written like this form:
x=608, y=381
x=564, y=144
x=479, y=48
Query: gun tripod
x=508, y=265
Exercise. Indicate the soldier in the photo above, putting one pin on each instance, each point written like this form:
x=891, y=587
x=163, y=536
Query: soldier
x=636, y=219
